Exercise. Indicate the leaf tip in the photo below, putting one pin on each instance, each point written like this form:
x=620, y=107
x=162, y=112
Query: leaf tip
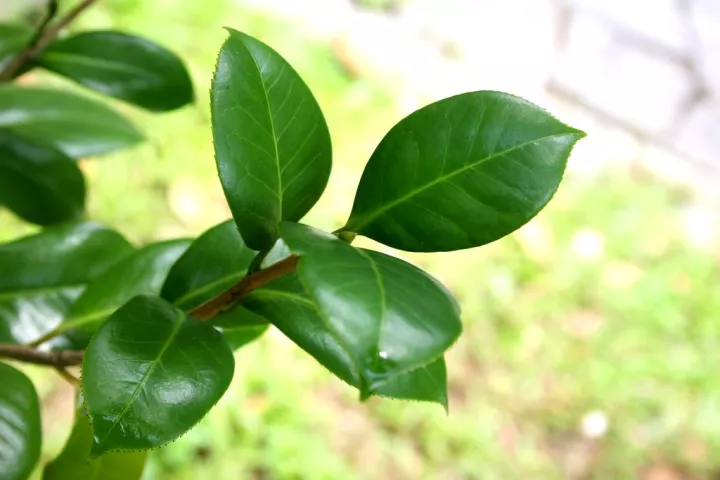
x=96, y=449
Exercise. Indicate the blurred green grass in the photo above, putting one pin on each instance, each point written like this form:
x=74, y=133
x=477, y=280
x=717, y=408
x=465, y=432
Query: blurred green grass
x=602, y=303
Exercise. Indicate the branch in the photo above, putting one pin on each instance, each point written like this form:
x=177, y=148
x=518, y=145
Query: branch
x=211, y=308
x=43, y=37
x=58, y=358
x=205, y=311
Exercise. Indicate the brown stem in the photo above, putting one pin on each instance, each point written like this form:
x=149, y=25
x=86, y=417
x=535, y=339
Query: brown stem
x=67, y=376
x=205, y=311
x=43, y=37
x=211, y=308
x=58, y=358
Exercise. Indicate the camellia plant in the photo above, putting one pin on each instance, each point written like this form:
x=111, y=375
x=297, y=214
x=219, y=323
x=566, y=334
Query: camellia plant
x=154, y=327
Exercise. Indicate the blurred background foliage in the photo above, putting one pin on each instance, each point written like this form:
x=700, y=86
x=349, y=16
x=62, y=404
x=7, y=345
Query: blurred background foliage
x=592, y=340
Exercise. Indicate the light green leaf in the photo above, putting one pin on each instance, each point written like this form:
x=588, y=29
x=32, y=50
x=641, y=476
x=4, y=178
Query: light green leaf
x=74, y=461
x=142, y=272
x=461, y=172
x=75, y=125
x=150, y=373
x=20, y=433
x=39, y=183
x=123, y=66
x=13, y=37
x=272, y=144
x=215, y=261
x=44, y=273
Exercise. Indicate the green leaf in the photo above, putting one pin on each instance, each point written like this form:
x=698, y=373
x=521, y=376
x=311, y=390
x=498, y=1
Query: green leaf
x=150, y=373
x=388, y=316
x=75, y=125
x=74, y=460
x=142, y=272
x=272, y=144
x=461, y=172
x=123, y=66
x=286, y=303
x=427, y=383
x=13, y=37
x=44, y=273
x=240, y=326
x=39, y=183
x=20, y=434
x=215, y=261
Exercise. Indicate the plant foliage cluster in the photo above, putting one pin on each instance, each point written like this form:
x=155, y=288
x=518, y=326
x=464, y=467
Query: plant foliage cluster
x=154, y=327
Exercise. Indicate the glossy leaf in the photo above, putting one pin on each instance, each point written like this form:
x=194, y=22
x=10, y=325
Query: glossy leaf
x=20, y=433
x=39, y=183
x=388, y=316
x=142, y=272
x=74, y=460
x=240, y=326
x=123, y=66
x=427, y=383
x=215, y=261
x=461, y=172
x=13, y=37
x=150, y=373
x=287, y=305
x=272, y=144
x=44, y=273
x=76, y=125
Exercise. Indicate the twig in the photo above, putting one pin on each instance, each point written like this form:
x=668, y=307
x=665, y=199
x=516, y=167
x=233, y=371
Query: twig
x=211, y=308
x=67, y=376
x=205, y=311
x=43, y=37
x=58, y=359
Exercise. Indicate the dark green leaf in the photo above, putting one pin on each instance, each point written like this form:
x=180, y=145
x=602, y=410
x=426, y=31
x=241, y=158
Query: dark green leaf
x=20, y=434
x=13, y=37
x=287, y=305
x=388, y=316
x=240, y=326
x=427, y=383
x=272, y=144
x=123, y=66
x=150, y=373
x=74, y=461
x=142, y=272
x=215, y=261
x=39, y=183
x=43, y=274
x=75, y=125
x=461, y=172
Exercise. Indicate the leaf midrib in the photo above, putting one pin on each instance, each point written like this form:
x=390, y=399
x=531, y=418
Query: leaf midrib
x=383, y=295
x=357, y=226
x=272, y=129
x=96, y=62
x=143, y=380
x=10, y=294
